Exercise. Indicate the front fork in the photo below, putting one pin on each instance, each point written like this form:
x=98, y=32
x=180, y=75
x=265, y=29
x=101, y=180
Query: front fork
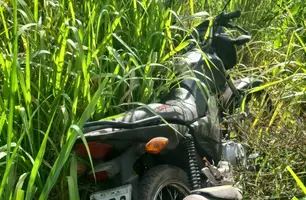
x=236, y=92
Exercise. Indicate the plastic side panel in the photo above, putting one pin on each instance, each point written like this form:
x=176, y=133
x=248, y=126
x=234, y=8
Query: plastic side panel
x=208, y=137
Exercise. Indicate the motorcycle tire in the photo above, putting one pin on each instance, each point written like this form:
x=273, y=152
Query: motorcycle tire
x=158, y=182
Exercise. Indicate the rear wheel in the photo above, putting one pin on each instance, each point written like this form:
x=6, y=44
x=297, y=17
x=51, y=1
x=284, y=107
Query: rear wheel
x=163, y=182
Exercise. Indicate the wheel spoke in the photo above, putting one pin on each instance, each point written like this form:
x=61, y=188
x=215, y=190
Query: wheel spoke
x=160, y=195
x=170, y=191
x=175, y=194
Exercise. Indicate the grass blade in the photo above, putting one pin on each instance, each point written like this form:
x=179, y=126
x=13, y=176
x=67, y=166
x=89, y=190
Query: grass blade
x=296, y=178
x=60, y=62
x=191, y=4
x=20, y=184
x=72, y=12
x=73, y=190
x=13, y=90
x=20, y=195
x=38, y=161
x=73, y=179
x=9, y=164
x=66, y=149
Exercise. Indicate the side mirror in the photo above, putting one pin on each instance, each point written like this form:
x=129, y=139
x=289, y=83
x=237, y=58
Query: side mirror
x=242, y=39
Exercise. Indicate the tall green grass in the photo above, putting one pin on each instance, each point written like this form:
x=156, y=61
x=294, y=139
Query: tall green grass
x=275, y=55
x=65, y=62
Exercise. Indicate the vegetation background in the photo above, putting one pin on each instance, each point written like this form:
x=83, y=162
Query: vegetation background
x=64, y=62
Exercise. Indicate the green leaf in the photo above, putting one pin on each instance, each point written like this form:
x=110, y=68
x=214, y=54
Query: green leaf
x=73, y=191
x=20, y=195
x=20, y=184
x=73, y=179
x=176, y=50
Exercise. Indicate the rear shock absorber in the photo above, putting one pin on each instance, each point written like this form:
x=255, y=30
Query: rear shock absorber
x=193, y=167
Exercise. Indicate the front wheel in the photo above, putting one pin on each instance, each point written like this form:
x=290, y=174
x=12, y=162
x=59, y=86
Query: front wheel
x=163, y=182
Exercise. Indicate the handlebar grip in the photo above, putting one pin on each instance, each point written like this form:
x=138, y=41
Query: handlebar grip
x=232, y=15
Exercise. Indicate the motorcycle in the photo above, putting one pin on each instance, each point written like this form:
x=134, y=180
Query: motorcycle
x=174, y=148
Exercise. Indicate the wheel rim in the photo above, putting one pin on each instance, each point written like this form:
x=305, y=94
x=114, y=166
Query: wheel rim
x=171, y=190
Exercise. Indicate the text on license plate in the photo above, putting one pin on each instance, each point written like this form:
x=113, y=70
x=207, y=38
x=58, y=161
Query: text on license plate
x=119, y=193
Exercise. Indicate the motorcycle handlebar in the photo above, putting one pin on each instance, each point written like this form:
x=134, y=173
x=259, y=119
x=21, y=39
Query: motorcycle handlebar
x=232, y=15
x=223, y=19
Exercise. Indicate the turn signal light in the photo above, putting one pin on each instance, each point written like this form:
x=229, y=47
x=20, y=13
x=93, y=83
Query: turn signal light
x=156, y=145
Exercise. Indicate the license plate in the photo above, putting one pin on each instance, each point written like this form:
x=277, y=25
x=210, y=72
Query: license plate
x=119, y=193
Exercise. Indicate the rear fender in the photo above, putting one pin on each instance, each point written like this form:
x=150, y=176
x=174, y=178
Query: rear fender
x=123, y=165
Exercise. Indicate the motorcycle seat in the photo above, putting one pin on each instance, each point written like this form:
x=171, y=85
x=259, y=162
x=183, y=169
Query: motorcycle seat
x=179, y=104
x=217, y=192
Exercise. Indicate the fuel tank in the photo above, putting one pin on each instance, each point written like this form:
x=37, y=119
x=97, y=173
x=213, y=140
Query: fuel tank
x=205, y=73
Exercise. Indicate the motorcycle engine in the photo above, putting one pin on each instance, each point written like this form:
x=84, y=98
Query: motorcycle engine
x=234, y=153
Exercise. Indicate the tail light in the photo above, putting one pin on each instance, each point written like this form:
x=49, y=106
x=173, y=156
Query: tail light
x=100, y=176
x=97, y=149
x=81, y=167
x=105, y=170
